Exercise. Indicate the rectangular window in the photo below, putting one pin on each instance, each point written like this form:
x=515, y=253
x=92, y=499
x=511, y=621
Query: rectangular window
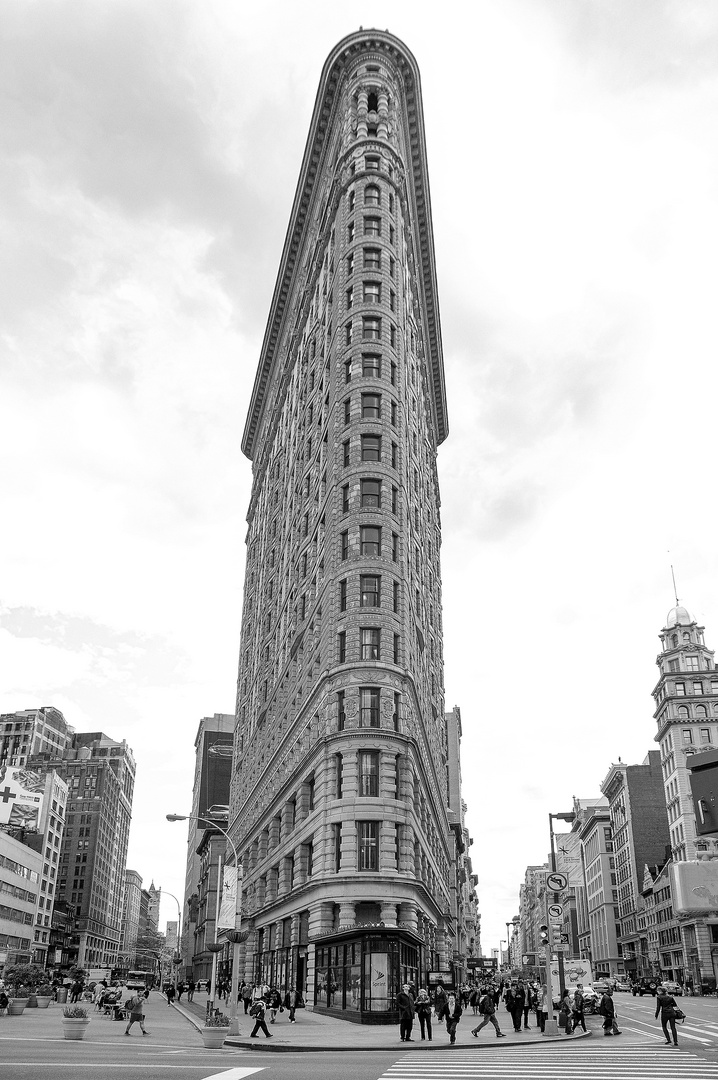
x=368, y=845
x=371, y=162
x=344, y=543
x=392, y=235
x=350, y=264
x=347, y=411
x=395, y=597
x=396, y=648
x=350, y=296
x=345, y=499
x=394, y=500
x=392, y=300
x=705, y=735
x=372, y=226
x=370, y=641
x=372, y=258
x=395, y=547
x=351, y=199
x=345, y=454
x=395, y=717
x=372, y=292
x=394, y=456
x=370, y=540
x=697, y=687
x=371, y=327
x=348, y=338
x=368, y=774
x=342, y=646
x=392, y=373
x=680, y=689
x=692, y=663
x=370, y=590
x=350, y=232
x=339, y=774
x=348, y=371
x=343, y=595
x=371, y=493
x=687, y=736
x=371, y=366
x=337, y=847
x=371, y=406
x=369, y=706
x=394, y=413
x=371, y=447
x=341, y=714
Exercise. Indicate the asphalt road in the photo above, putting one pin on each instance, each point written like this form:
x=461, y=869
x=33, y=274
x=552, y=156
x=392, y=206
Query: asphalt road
x=35, y=1050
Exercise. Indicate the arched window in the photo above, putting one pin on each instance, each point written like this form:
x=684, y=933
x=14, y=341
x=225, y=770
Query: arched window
x=701, y=711
x=686, y=636
x=674, y=640
x=682, y=712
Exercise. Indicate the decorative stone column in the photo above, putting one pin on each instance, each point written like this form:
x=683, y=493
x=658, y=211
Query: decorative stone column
x=274, y=831
x=347, y=916
x=388, y=914
x=408, y=915
x=272, y=884
x=383, y=115
x=321, y=919
x=263, y=845
x=285, y=875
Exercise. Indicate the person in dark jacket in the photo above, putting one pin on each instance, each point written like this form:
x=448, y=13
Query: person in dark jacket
x=608, y=1012
x=564, y=1010
x=452, y=1015
x=488, y=1011
x=666, y=1006
x=423, y=1011
x=518, y=1000
x=579, y=1006
x=405, y=1005
x=439, y=1000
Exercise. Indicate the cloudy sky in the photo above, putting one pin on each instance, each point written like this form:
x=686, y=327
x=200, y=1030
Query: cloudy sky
x=149, y=155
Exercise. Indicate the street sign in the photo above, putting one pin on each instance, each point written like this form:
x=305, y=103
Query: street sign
x=556, y=882
x=555, y=911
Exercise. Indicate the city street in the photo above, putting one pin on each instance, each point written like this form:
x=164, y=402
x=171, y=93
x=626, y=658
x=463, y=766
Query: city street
x=32, y=1048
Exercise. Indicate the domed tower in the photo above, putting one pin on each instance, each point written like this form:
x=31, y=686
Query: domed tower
x=686, y=697
x=340, y=777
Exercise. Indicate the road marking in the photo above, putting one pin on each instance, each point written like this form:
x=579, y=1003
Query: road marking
x=233, y=1074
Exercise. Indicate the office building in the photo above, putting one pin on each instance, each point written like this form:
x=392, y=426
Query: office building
x=341, y=773
x=33, y=731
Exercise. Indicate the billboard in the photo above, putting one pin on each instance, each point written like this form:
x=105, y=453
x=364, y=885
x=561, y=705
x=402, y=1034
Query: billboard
x=228, y=910
x=21, y=794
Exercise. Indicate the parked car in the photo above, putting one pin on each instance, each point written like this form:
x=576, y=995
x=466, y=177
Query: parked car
x=602, y=985
x=590, y=999
x=644, y=986
x=673, y=988
x=622, y=985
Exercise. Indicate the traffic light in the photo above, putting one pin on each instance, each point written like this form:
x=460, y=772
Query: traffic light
x=543, y=935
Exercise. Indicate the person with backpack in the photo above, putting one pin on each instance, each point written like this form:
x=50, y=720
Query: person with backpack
x=487, y=1009
x=257, y=1013
x=275, y=1004
x=423, y=1011
x=666, y=1006
x=135, y=1007
x=608, y=1011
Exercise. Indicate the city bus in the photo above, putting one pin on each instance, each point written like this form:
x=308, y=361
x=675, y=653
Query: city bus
x=139, y=980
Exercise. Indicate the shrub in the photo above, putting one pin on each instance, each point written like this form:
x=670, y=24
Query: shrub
x=217, y=1020
x=75, y=1012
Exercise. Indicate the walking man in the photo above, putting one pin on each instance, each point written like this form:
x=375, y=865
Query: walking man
x=137, y=1012
x=452, y=1014
x=578, y=1008
x=666, y=1006
x=405, y=1005
x=488, y=1011
x=608, y=1012
x=257, y=1013
x=291, y=1001
x=190, y=989
x=170, y=992
x=517, y=1005
x=246, y=994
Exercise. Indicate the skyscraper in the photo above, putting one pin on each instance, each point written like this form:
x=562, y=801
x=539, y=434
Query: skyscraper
x=340, y=781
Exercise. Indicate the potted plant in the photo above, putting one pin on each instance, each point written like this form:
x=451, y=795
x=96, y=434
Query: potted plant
x=74, y=1021
x=23, y=979
x=215, y=1031
x=44, y=995
x=19, y=996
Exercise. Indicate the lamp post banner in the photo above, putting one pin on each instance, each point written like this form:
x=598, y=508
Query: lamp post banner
x=229, y=899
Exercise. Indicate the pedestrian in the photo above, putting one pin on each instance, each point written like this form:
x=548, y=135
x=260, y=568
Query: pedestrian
x=190, y=989
x=274, y=1003
x=405, y=1005
x=528, y=1003
x=136, y=1012
x=452, y=1014
x=180, y=990
x=517, y=1004
x=439, y=1000
x=607, y=1009
x=474, y=998
x=579, y=1007
x=564, y=1012
x=487, y=1008
x=76, y=991
x=292, y=999
x=209, y=986
x=257, y=1013
x=246, y=994
x=666, y=1006
x=423, y=1011
x=170, y=992
x=543, y=1007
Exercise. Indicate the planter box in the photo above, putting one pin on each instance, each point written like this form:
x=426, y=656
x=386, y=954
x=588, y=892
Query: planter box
x=74, y=1027
x=214, y=1037
x=43, y=1002
x=16, y=1006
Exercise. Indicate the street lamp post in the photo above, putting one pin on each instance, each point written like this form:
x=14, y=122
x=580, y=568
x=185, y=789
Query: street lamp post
x=550, y=1025
x=236, y=936
x=179, y=935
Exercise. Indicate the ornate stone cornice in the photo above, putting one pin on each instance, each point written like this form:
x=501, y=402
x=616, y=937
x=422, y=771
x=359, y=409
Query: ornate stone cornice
x=300, y=233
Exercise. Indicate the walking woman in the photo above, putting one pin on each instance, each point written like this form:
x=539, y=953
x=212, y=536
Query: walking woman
x=423, y=1011
x=666, y=1006
x=564, y=1010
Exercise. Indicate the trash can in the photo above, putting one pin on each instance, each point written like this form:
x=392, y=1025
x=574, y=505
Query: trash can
x=62, y=995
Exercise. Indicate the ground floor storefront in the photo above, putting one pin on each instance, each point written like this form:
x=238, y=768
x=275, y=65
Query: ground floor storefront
x=359, y=975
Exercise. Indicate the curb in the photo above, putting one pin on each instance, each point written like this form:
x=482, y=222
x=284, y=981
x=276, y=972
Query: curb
x=273, y=1048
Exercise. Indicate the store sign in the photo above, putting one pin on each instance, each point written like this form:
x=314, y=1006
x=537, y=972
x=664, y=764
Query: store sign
x=447, y=977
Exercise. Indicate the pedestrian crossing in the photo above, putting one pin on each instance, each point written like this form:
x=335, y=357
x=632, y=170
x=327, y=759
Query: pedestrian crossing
x=554, y=1063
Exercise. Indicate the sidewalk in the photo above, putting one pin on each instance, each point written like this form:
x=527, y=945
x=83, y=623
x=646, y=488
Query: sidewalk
x=315, y=1032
